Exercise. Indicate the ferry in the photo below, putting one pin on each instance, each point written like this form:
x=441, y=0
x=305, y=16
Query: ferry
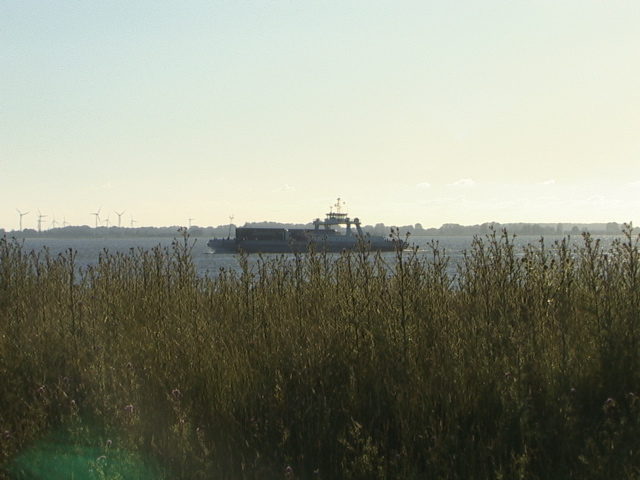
x=323, y=237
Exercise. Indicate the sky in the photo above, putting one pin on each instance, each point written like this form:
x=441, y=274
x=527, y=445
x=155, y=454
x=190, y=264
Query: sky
x=427, y=112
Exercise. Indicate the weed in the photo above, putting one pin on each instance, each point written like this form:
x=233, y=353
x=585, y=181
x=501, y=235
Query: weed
x=524, y=364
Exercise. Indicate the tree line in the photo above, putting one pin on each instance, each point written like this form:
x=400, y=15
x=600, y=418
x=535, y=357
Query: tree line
x=447, y=229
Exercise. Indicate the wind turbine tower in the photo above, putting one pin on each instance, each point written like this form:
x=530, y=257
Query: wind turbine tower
x=21, y=215
x=40, y=217
x=97, y=214
x=119, y=217
x=230, y=222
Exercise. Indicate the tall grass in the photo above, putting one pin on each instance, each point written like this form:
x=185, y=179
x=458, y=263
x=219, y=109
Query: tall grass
x=525, y=364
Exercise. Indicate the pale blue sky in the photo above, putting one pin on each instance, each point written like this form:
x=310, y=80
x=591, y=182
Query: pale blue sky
x=431, y=112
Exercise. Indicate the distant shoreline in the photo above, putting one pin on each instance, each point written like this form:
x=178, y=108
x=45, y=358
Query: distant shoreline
x=221, y=231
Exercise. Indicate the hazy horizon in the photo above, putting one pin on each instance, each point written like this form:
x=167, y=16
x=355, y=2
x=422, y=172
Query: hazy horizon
x=412, y=112
x=610, y=227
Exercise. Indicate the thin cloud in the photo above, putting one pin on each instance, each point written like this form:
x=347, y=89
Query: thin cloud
x=285, y=188
x=549, y=182
x=464, y=183
x=423, y=185
x=635, y=184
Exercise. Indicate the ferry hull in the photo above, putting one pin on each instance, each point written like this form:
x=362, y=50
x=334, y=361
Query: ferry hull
x=257, y=246
x=323, y=237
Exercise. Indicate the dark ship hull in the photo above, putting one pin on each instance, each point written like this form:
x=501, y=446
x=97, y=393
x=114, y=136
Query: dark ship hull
x=322, y=238
x=329, y=243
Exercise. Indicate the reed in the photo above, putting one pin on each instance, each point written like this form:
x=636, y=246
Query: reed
x=524, y=364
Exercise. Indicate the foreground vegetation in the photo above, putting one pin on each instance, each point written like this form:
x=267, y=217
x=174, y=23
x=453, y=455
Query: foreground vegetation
x=525, y=364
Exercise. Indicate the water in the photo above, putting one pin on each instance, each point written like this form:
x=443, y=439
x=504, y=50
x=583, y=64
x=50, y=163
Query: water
x=89, y=249
x=209, y=264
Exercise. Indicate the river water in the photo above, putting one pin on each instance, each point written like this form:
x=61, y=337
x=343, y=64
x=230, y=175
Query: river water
x=209, y=264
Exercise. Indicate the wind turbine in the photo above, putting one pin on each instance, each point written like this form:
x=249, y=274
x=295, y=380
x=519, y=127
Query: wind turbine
x=97, y=214
x=132, y=220
x=21, y=215
x=230, y=220
x=190, y=221
x=54, y=223
x=119, y=217
x=40, y=217
x=107, y=222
